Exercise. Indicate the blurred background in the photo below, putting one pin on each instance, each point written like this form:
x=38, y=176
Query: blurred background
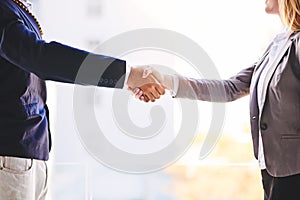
x=234, y=33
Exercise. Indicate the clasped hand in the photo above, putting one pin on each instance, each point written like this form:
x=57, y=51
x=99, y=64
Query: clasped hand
x=146, y=83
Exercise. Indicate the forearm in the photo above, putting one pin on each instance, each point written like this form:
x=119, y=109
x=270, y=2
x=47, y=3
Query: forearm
x=64, y=63
x=215, y=90
x=55, y=61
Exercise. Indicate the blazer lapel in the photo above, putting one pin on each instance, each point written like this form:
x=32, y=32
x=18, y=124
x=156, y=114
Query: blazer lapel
x=258, y=69
x=273, y=68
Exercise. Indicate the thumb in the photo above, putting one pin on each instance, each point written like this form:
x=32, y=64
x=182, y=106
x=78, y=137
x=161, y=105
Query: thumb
x=129, y=88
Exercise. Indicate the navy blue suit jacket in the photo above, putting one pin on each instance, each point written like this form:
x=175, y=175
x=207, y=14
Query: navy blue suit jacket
x=26, y=61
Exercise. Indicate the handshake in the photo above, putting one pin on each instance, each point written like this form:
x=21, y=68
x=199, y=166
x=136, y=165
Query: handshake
x=148, y=84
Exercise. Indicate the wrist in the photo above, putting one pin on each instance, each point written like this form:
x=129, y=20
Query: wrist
x=168, y=82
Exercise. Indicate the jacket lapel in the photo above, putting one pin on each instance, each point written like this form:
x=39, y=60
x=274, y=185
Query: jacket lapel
x=273, y=68
x=258, y=69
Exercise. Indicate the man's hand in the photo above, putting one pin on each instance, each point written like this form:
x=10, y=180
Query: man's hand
x=148, y=92
x=151, y=92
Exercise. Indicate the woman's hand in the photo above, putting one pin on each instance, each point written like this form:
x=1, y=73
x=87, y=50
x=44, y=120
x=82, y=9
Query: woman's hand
x=149, y=92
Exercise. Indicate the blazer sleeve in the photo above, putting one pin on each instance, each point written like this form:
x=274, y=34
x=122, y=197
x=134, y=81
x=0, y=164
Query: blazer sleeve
x=216, y=90
x=54, y=61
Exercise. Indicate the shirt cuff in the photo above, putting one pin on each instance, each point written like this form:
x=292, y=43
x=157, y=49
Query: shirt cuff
x=175, y=85
x=128, y=69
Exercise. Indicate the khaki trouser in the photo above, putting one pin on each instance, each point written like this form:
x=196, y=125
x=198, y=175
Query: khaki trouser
x=22, y=179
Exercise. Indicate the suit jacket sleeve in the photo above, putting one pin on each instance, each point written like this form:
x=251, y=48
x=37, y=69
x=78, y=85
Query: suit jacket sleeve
x=216, y=90
x=54, y=61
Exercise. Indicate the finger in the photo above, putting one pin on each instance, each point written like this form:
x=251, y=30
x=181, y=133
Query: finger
x=154, y=79
x=142, y=98
x=146, y=99
x=154, y=93
x=160, y=90
x=135, y=91
x=152, y=97
x=139, y=94
x=147, y=71
x=149, y=96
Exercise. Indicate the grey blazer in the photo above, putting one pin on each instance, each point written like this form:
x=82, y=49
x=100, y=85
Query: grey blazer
x=279, y=121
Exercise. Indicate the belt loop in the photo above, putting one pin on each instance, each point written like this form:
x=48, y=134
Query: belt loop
x=29, y=164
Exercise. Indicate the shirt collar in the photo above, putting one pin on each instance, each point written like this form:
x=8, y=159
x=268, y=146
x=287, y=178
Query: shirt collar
x=27, y=3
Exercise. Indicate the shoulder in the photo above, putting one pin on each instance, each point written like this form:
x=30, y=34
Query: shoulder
x=296, y=43
x=7, y=4
x=296, y=39
x=8, y=9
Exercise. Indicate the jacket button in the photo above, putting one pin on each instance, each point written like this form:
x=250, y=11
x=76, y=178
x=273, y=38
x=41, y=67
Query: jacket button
x=263, y=126
x=253, y=117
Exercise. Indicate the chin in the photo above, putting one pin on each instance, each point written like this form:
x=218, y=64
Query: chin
x=271, y=11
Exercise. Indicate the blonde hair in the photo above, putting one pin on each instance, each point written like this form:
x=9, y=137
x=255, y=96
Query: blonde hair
x=290, y=13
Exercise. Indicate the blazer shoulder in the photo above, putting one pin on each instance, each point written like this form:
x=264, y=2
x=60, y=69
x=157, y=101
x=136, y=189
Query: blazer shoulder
x=8, y=9
x=296, y=43
x=295, y=37
x=7, y=4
